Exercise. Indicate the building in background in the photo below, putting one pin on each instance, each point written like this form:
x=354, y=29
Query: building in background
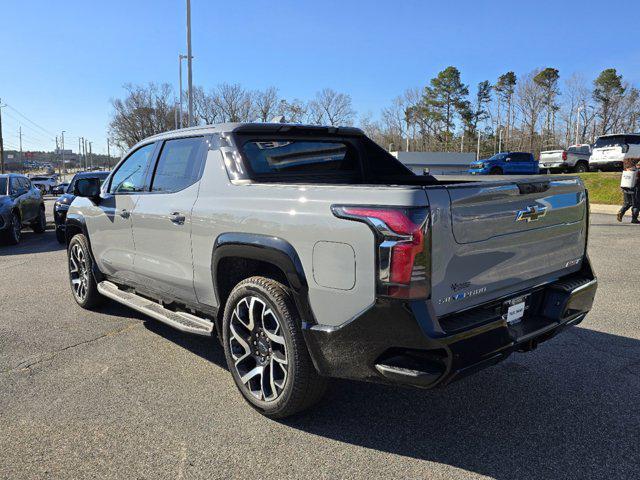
x=437, y=163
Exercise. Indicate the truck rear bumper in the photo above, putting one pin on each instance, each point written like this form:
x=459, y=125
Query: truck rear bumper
x=402, y=343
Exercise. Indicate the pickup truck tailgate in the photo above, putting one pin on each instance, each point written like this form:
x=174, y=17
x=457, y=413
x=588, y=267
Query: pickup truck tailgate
x=491, y=239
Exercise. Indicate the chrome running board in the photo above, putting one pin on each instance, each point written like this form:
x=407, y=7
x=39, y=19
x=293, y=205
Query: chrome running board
x=182, y=321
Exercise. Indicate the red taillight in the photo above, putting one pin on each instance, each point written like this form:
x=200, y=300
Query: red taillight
x=564, y=155
x=400, y=234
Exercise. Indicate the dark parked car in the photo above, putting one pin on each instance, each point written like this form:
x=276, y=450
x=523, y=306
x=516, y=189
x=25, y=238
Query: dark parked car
x=62, y=204
x=21, y=205
x=60, y=189
x=506, y=163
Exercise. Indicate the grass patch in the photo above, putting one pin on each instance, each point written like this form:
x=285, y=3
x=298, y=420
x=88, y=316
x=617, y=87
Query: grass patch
x=604, y=187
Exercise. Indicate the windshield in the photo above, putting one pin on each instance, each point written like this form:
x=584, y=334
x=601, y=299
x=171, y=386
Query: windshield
x=101, y=176
x=499, y=156
x=3, y=186
x=613, y=141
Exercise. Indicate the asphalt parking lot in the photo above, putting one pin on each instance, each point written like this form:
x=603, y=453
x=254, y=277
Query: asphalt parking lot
x=110, y=394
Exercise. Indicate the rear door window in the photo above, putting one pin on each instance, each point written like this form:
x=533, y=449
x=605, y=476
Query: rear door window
x=180, y=164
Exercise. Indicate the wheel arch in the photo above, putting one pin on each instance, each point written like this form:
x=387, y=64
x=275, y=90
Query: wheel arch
x=263, y=255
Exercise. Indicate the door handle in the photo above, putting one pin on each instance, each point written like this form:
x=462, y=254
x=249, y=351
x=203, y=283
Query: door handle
x=125, y=213
x=177, y=218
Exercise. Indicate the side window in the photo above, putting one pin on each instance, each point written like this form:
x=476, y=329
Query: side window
x=179, y=165
x=131, y=175
x=13, y=185
x=572, y=150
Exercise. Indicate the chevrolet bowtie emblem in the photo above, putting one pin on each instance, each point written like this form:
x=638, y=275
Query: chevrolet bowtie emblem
x=531, y=214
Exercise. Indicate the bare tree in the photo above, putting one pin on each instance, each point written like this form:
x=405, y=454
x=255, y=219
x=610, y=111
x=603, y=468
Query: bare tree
x=530, y=100
x=144, y=111
x=294, y=111
x=331, y=108
x=205, y=109
x=266, y=103
x=234, y=102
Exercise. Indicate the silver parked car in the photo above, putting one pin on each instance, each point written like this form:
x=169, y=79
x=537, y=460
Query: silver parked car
x=311, y=252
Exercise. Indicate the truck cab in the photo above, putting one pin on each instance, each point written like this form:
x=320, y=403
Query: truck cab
x=506, y=163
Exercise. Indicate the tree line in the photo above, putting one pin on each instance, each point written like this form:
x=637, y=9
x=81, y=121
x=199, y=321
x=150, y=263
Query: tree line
x=533, y=111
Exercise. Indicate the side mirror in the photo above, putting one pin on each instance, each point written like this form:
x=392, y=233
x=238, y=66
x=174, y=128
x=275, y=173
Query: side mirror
x=87, y=187
x=508, y=159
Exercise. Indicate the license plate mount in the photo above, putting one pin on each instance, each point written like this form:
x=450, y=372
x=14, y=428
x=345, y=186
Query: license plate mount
x=514, y=310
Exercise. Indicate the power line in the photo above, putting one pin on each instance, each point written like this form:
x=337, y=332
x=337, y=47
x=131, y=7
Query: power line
x=36, y=133
x=30, y=121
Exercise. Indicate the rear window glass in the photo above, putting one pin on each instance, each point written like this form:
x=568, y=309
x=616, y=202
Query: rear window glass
x=613, y=141
x=3, y=186
x=295, y=158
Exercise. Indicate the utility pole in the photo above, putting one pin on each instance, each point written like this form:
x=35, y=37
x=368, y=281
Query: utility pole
x=91, y=154
x=462, y=142
x=20, y=136
x=500, y=141
x=478, y=148
x=57, y=152
x=189, y=58
x=84, y=153
x=80, y=151
x=108, y=156
x=64, y=168
x=1, y=141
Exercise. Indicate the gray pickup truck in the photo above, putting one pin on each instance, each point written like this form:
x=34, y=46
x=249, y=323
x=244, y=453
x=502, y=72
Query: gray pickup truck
x=310, y=252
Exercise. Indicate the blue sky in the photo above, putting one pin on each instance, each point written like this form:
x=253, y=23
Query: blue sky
x=61, y=62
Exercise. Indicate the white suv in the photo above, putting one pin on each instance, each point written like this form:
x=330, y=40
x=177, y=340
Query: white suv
x=610, y=151
x=44, y=183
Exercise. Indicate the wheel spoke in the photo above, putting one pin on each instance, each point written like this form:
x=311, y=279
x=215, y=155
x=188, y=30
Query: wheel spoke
x=247, y=377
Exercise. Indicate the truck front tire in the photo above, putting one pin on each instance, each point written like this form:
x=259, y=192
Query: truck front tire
x=83, y=284
x=265, y=350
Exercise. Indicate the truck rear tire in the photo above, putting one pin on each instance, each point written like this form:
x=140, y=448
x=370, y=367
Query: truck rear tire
x=265, y=350
x=581, y=167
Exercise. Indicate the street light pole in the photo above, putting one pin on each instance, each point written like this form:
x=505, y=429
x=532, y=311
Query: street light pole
x=189, y=58
x=180, y=58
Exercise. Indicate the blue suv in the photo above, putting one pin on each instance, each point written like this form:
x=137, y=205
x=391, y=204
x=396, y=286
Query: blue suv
x=506, y=163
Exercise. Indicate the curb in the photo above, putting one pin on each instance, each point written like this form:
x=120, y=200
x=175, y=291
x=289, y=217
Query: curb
x=606, y=209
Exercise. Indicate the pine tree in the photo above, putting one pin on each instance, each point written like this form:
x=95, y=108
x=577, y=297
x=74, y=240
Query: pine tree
x=608, y=91
x=444, y=98
x=505, y=88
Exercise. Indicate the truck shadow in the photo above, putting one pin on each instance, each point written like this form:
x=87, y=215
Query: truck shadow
x=569, y=409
